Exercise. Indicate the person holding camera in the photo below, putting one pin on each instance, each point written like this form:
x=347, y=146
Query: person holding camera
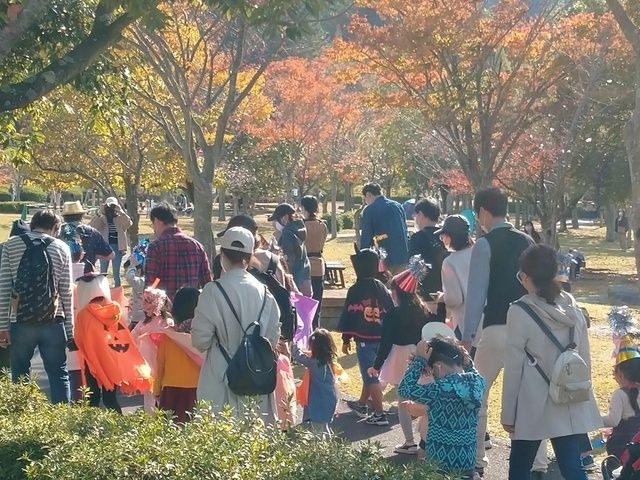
x=113, y=222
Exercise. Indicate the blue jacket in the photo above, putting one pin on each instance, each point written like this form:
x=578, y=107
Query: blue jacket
x=323, y=393
x=382, y=217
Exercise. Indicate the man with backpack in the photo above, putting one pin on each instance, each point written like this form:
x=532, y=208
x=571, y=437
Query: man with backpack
x=36, y=302
x=237, y=325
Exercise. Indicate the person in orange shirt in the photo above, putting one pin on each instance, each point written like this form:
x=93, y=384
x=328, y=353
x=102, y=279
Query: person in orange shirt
x=178, y=365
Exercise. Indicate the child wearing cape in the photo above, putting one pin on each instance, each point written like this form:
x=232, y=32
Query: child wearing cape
x=109, y=357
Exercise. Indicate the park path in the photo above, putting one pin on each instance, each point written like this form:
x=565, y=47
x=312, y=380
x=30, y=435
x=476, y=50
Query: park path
x=348, y=426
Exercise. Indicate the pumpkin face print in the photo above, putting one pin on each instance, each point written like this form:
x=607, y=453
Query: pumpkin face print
x=371, y=313
x=116, y=339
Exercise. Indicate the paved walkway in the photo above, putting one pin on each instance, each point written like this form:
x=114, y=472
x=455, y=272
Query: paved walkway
x=350, y=427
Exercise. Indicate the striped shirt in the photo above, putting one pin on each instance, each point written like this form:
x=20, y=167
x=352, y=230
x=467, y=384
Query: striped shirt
x=60, y=256
x=113, y=232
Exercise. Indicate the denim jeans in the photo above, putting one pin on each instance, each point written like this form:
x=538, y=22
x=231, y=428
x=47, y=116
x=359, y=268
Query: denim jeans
x=567, y=450
x=116, y=262
x=51, y=341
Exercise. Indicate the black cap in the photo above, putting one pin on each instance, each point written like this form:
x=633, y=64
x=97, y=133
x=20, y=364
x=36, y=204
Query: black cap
x=454, y=225
x=280, y=211
x=241, y=220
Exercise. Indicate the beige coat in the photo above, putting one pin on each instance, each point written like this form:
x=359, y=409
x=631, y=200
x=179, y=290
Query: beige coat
x=213, y=320
x=316, y=238
x=525, y=395
x=122, y=222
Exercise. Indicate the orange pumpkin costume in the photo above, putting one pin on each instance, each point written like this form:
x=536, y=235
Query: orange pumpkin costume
x=105, y=343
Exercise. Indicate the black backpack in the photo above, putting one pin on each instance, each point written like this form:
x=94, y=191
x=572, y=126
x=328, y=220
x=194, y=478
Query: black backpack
x=34, y=291
x=288, y=319
x=252, y=369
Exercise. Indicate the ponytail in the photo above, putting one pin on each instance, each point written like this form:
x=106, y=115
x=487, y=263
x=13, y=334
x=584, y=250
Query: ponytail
x=549, y=292
x=632, y=393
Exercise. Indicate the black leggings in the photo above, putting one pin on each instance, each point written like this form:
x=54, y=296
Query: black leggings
x=317, y=283
x=108, y=396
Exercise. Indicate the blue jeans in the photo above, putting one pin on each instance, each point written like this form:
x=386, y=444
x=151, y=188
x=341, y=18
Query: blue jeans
x=116, y=262
x=366, y=353
x=51, y=341
x=567, y=450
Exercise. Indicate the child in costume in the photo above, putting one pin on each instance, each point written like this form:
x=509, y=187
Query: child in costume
x=318, y=392
x=453, y=402
x=285, y=393
x=368, y=302
x=146, y=334
x=134, y=268
x=624, y=409
x=401, y=331
x=110, y=358
x=177, y=367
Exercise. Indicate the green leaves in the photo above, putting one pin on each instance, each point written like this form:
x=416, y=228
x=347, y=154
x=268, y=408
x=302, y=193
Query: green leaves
x=41, y=441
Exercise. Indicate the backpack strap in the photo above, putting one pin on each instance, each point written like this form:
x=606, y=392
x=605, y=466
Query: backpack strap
x=536, y=318
x=272, y=267
x=543, y=326
x=225, y=354
x=228, y=300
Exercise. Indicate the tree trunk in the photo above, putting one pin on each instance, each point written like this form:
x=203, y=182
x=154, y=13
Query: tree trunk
x=518, y=220
x=202, y=213
x=334, y=207
x=348, y=199
x=563, y=217
x=610, y=221
x=444, y=195
x=575, y=222
x=131, y=199
x=633, y=152
x=222, y=199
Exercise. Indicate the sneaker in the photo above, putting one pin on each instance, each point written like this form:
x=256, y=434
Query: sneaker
x=379, y=419
x=406, y=449
x=360, y=409
x=487, y=442
x=479, y=472
x=587, y=462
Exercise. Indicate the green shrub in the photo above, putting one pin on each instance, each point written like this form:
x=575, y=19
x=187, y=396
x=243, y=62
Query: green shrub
x=12, y=207
x=41, y=441
x=28, y=194
x=347, y=220
x=326, y=217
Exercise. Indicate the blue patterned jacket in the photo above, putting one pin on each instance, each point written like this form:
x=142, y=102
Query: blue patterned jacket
x=453, y=404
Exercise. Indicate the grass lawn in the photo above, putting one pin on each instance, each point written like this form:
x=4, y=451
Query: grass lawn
x=606, y=265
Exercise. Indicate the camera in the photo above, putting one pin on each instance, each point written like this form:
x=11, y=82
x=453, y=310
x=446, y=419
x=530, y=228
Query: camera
x=109, y=210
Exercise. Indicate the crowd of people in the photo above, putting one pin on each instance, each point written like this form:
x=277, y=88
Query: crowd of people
x=436, y=313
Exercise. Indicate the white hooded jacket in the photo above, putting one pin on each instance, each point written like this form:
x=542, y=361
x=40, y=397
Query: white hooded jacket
x=525, y=394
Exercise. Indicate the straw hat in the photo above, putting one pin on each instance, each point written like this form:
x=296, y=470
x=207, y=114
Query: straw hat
x=72, y=208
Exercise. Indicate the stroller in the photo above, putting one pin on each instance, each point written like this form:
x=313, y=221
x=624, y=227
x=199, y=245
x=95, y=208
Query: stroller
x=627, y=467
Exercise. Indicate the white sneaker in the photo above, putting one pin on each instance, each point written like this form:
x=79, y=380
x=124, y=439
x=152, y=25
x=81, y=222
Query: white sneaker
x=406, y=449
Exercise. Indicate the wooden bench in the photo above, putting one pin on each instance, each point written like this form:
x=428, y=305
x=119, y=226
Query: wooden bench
x=334, y=274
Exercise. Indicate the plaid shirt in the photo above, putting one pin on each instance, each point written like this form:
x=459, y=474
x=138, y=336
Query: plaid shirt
x=178, y=261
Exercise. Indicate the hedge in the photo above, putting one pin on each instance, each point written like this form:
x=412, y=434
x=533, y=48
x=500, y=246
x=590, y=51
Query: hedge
x=28, y=194
x=41, y=441
x=326, y=217
x=12, y=207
